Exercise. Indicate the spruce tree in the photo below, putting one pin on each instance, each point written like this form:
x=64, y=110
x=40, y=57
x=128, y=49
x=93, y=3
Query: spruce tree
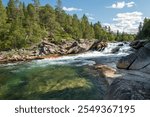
x=3, y=15
x=11, y=10
x=85, y=27
x=98, y=30
x=76, y=31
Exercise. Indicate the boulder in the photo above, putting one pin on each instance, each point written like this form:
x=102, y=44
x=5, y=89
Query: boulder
x=146, y=69
x=1, y=57
x=142, y=59
x=125, y=42
x=75, y=50
x=106, y=71
x=125, y=62
x=137, y=60
x=147, y=46
x=120, y=44
x=98, y=45
x=138, y=44
x=74, y=44
x=86, y=44
x=135, y=82
x=123, y=89
x=115, y=50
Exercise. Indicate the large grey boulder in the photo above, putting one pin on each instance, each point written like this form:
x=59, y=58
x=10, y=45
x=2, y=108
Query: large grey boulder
x=138, y=44
x=146, y=69
x=76, y=50
x=123, y=89
x=98, y=45
x=137, y=60
x=142, y=60
x=135, y=82
x=125, y=62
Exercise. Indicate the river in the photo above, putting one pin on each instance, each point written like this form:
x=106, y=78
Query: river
x=66, y=77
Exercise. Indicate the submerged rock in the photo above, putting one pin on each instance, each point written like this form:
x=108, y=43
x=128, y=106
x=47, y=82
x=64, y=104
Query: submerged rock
x=106, y=71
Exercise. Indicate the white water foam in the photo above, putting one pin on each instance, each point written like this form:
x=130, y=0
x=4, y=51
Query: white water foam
x=83, y=58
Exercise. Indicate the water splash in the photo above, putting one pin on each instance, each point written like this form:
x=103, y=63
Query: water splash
x=83, y=58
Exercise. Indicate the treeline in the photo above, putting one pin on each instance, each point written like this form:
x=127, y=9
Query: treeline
x=22, y=26
x=144, y=30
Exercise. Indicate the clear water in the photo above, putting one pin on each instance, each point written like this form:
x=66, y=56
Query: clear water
x=68, y=77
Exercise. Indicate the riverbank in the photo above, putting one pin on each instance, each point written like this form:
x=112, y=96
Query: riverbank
x=134, y=82
x=47, y=49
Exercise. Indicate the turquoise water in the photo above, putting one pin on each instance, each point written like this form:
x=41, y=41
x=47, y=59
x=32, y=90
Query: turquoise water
x=68, y=77
x=33, y=80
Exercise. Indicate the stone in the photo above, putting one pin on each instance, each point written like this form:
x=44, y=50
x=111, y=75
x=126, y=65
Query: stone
x=138, y=44
x=106, y=71
x=115, y=50
x=122, y=89
x=142, y=59
x=120, y=44
x=147, y=46
x=75, y=50
x=137, y=60
x=146, y=69
x=98, y=45
x=125, y=62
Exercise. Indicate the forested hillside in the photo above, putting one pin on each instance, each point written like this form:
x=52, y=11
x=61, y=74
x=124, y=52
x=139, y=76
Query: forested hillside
x=23, y=25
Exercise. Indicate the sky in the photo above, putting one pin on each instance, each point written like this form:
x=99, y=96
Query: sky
x=122, y=15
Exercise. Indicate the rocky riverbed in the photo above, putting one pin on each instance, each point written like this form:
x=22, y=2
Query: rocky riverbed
x=134, y=82
x=47, y=49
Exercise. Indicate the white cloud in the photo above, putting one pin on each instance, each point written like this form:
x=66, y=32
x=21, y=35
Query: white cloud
x=120, y=5
x=90, y=16
x=126, y=22
x=72, y=9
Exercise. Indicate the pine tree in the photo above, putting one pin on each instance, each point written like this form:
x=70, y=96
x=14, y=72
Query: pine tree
x=3, y=15
x=139, y=34
x=76, y=30
x=11, y=10
x=59, y=5
x=3, y=26
x=144, y=30
x=24, y=10
x=47, y=20
x=98, y=30
x=86, y=27
x=117, y=36
x=31, y=13
x=36, y=4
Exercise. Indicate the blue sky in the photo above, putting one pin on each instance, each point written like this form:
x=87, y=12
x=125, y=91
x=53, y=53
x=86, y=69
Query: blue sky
x=123, y=15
